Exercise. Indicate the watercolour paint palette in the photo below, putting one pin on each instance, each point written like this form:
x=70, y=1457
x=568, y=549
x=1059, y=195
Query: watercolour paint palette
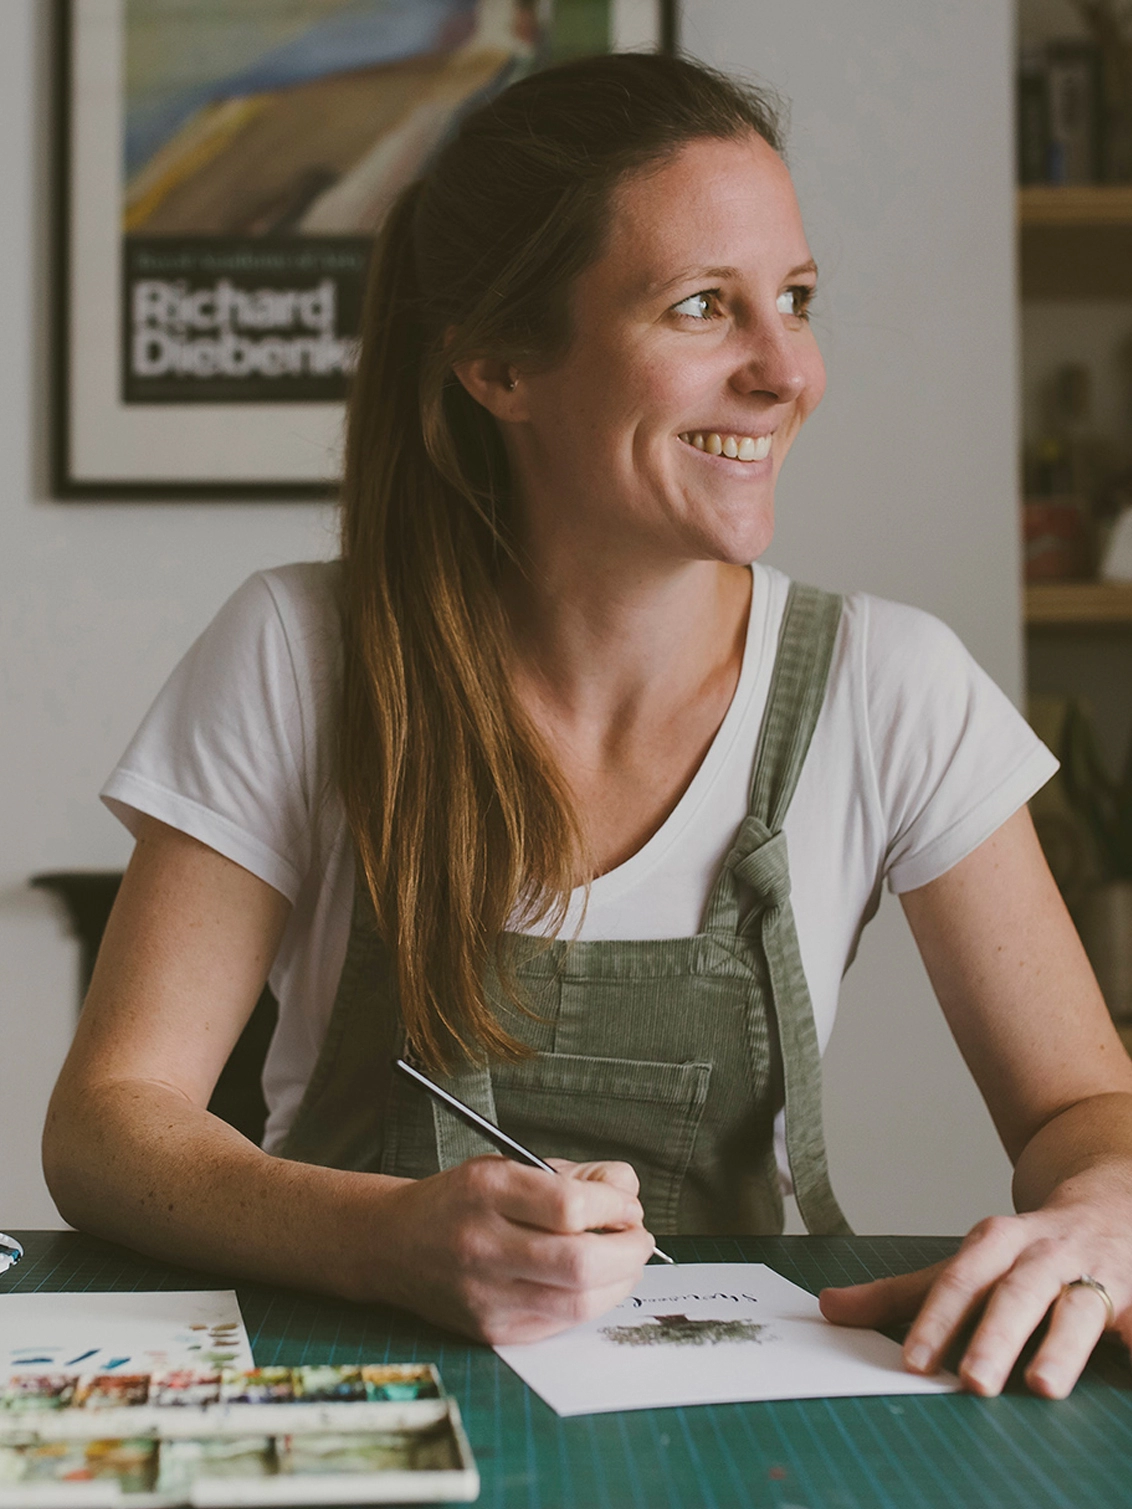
x=374, y=1433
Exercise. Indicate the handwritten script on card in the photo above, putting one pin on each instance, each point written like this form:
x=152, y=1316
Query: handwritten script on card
x=711, y=1333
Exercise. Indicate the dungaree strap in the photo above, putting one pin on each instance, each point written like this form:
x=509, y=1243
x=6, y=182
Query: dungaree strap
x=759, y=860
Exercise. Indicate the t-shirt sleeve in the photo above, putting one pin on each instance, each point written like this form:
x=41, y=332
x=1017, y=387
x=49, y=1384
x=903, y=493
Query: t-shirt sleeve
x=224, y=753
x=953, y=757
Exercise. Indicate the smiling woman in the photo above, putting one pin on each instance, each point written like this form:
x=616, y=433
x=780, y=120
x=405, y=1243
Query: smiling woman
x=551, y=784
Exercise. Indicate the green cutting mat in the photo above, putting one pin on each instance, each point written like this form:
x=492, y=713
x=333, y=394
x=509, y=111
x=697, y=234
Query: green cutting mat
x=907, y=1452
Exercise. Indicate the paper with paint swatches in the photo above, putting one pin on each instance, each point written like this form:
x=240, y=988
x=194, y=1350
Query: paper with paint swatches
x=121, y=1332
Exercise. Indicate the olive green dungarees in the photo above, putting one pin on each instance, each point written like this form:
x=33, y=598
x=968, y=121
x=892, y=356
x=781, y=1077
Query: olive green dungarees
x=671, y=1054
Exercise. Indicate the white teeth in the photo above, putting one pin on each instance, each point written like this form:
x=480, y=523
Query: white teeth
x=738, y=447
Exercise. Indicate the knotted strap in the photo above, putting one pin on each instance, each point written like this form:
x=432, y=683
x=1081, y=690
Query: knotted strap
x=456, y=1141
x=759, y=860
x=765, y=869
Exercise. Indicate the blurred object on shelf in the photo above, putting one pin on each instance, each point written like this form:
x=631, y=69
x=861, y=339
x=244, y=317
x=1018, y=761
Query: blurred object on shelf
x=1116, y=559
x=1069, y=473
x=1069, y=413
x=1075, y=112
x=1102, y=909
x=1074, y=101
x=1055, y=537
x=1063, y=836
x=1110, y=22
x=1033, y=116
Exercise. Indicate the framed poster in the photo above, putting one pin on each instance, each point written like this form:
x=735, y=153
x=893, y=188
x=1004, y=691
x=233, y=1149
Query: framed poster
x=222, y=168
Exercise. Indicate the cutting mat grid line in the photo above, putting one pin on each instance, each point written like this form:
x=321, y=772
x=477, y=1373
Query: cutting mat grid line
x=1052, y=1430
x=660, y=1439
x=910, y=1452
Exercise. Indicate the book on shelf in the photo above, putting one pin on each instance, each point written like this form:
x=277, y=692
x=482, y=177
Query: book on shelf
x=1073, y=110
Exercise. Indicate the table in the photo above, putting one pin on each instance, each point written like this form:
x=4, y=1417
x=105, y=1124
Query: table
x=907, y=1452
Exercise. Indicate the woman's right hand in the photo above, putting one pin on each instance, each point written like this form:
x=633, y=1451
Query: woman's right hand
x=506, y=1253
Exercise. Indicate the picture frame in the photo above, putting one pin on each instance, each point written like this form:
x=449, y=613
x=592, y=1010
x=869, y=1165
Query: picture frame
x=215, y=198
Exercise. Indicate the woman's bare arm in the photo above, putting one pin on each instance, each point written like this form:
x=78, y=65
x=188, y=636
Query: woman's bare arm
x=131, y=1152
x=1021, y=999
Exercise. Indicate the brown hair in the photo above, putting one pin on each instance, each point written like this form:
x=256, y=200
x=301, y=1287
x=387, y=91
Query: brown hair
x=459, y=815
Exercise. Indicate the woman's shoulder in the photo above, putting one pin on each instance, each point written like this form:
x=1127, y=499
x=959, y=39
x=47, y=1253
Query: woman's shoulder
x=877, y=635
x=303, y=596
x=907, y=658
x=283, y=622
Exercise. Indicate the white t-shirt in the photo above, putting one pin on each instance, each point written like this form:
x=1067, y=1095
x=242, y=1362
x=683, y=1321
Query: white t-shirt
x=916, y=758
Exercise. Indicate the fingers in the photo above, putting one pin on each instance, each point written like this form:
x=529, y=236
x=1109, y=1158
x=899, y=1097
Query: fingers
x=584, y=1263
x=504, y=1252
x=1014, y=1311
x=1013, y=1273
x=533, y=1321
x=1076, y=1325
x=622, y=1175
x=961, y=1287
x=883, y=1302
x=581, y=1201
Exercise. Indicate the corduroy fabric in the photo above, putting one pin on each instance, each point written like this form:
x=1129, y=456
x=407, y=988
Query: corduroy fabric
x=673, y=1055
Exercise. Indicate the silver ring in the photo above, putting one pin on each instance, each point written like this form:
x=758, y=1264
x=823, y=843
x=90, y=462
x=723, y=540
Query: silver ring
x=1087, y=1281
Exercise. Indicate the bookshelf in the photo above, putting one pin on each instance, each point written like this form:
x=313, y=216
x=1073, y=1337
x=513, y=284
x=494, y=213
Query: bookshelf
x=1079, y=604
x=1075, y=241
x=1092, y=204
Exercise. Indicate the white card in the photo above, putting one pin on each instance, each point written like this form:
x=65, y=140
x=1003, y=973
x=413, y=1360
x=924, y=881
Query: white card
x=139, y=1332
x=711, y=1333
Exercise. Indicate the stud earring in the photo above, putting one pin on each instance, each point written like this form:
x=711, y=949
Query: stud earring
x=512, y=384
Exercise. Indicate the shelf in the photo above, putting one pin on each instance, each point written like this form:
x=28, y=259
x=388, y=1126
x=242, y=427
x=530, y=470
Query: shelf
x=1079, y=604
x=1075, y=204
x=1075, y=242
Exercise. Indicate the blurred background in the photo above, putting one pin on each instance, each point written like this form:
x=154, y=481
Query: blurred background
x=971, y=456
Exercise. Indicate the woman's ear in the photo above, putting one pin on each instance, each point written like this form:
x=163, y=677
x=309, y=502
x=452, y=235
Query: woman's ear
x=495, y=385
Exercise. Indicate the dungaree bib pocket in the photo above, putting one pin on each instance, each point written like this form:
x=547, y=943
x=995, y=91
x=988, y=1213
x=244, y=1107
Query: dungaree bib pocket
x=566, y=1105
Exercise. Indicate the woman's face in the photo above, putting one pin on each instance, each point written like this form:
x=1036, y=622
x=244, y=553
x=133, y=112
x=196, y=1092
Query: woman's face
x=691, y=367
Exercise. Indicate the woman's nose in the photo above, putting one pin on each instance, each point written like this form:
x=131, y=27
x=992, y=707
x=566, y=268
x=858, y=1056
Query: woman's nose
x=772, y=363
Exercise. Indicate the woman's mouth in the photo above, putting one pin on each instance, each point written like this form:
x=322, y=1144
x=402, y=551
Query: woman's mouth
x=737, y=447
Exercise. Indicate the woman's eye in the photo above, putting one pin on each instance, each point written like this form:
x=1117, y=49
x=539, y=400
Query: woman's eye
x=796, y=301
x=699, y=306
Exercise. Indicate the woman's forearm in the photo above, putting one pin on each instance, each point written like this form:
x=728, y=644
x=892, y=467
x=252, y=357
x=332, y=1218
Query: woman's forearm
x=491, y=1248
x=137, y=1162
x=1087, y=1143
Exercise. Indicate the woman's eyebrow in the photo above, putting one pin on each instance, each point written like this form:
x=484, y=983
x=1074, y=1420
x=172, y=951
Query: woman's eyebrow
x=720, y=274
x=689, y=275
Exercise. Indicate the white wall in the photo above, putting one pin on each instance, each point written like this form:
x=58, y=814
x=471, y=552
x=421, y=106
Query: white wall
x=97, y=602
x=904, y=485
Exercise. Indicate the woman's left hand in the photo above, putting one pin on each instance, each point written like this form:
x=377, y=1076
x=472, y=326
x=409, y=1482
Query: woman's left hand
x=1013, y=1269
x=1028, y=1017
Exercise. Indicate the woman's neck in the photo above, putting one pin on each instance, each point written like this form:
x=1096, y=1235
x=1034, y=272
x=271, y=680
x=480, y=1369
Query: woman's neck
x=595, y=639
x=627, y=680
